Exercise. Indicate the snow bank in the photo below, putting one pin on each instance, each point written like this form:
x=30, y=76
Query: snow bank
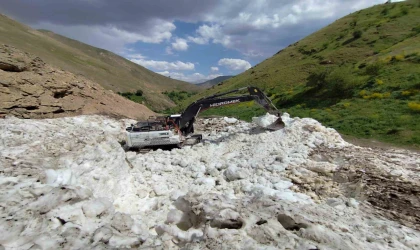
x=68, y=183
x=265, y=120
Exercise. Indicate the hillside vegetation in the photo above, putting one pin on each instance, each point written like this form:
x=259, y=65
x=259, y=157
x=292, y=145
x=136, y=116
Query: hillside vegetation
x=106, y=68
x=359, y=75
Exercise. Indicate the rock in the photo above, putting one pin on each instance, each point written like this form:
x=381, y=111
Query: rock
x=30, y=88
x=324, y=62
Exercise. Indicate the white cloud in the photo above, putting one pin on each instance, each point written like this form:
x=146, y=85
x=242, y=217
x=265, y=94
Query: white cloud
x=168, y=50
x=257, y=28
x=137, y=56
x=198, y=40
x=212, y=33
x=180, y=44
x=234, y=64
x=112, y=38
x=260, y=28
x=163, y=65
x=192, y=78
x=214, y=69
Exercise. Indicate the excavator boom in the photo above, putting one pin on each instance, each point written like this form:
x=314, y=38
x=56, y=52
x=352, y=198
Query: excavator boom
x=254, y=94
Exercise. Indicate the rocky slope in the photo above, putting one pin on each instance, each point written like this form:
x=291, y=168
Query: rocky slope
x=67, y=183
x=30, y=88
x=109, y=70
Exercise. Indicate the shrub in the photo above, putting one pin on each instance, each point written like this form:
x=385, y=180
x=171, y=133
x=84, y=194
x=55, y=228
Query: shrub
x=353, y=23
x=414, y=106
x=357, y=34
x=399, y=57
x=317, y=79
x=385, y=12
x=376, y=96
x=416, y=30
x=379, y=81
x=406, y=93
x=404, y=11
x=342, y=82
x=387, y=59
x=373, y=69
x=139, y=92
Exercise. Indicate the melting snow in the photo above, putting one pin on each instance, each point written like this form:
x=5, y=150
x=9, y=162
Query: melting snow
x=68, y=183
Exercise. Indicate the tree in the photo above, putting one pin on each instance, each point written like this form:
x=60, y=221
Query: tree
x=357, y=34
x=139, y=92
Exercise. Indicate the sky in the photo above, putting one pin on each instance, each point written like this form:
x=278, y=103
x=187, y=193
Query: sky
x=190, y=40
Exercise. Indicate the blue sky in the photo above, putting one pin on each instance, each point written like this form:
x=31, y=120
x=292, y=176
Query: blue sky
x=189, y=40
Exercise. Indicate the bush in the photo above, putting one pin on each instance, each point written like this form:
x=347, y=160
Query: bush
x=373, y=69
x=139, y=92
x=317, y=79
x=357, y=34
x=404, y=11
x=342, y=82
x=414, y=106
x=385, y=12
x=416, y=30
x=399, y=57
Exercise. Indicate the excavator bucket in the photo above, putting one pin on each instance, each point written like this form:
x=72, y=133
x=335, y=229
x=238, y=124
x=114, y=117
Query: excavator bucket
x=278, y=124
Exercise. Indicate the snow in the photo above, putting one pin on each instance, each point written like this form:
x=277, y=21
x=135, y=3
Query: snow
x=265, y=121
x=68, y=183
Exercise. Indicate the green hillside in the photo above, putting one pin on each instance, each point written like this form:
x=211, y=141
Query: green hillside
x=106, y=68
x=359, y=75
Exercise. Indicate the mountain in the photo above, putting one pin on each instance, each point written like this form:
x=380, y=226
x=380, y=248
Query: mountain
x=214, y=81
x=111, y=71
x=359, y=75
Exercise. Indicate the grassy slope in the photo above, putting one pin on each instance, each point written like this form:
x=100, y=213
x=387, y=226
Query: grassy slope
x=108, y=69
x=382, y=110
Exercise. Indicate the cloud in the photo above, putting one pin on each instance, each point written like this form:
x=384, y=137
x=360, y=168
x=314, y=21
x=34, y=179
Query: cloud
x=212, y=33
x=214, y=69
x=137, y=56
x=163, y=65
x=192, y=78
x=180, y=44
x=198, y=40
x=168, y=50
x=110, y=37
x=235, y=64
x=257, y=28
x=260, y=28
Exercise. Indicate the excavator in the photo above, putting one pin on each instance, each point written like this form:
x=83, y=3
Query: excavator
x=178, y=130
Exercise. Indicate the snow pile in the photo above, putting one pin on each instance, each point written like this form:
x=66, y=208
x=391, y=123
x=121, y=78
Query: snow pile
x=230, y=120
x=265, y=121
x=68, y=183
